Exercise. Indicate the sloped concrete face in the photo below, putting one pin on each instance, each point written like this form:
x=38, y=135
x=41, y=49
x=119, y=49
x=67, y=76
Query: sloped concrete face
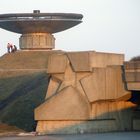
x=84, y=87
x=68, y=105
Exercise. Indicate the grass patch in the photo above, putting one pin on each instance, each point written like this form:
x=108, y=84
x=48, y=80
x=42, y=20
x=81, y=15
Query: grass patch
x=19, y=96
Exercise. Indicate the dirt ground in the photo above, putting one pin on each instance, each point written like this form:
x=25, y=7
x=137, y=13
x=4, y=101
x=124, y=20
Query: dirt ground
x=6, y=130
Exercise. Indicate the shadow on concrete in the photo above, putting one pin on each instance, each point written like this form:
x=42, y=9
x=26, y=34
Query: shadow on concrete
x=19, y=96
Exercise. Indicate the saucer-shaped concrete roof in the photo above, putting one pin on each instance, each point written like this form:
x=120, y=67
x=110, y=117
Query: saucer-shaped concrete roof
x=39, y=22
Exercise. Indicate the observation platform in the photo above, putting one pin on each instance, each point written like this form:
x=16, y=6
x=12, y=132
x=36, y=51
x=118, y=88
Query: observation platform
x=37, y=28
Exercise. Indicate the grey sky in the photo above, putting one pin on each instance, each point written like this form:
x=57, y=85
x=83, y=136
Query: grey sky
x=108, y=25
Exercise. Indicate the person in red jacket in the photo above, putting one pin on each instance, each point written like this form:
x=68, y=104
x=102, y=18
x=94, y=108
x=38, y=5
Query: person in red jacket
x=8, y=47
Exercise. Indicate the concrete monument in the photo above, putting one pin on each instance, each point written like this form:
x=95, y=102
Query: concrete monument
x=87, y=91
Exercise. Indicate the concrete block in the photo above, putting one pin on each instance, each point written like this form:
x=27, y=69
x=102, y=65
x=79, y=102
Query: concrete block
x=98, y=59
x=132, y=65
x=57, y=63
x=121, y=111
x=105, y=84
x=133, y=85
x=100, y=110
x=115, y=86
x=94, y=85
x=76, y=127
x=68, y=104
x=111, y=83
x=79, y=61
x=132, y=76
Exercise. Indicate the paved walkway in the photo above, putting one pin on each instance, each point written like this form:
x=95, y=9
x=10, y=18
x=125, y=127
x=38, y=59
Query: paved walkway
x=103, y=136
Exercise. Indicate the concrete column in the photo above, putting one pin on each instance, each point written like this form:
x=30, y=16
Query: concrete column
x=37, y=41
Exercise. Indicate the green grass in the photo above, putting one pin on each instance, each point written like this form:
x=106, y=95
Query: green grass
x=19, y=96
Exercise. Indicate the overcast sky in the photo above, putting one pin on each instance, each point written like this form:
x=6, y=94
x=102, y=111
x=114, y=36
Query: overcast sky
x=108, y=25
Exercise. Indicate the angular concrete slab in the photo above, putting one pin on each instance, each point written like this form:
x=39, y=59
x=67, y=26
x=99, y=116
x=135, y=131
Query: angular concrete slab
x=69, y=78
x=79, y=61
x=59, y=76
x=132, y=65
x=94, y=85
x=115, y=86
x=133, y=86
x=119, y=111
x=79, y=87
x=105, y=84
x=77, y=127
x=132, y=76
x=100, y=110
x=57, y=63
x=98, y=59
x=111, y=83
x=52, y=87
x=68, y=104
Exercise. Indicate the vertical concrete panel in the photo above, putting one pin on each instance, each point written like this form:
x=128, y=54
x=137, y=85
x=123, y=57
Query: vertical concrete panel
x=111, y=83
x=94, y=85
x=79, y=61
x=100, y=110
x=133, y=86
x=87, y=84
x=57, y=63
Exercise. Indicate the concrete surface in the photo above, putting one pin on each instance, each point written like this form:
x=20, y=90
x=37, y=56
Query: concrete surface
x=103, y=136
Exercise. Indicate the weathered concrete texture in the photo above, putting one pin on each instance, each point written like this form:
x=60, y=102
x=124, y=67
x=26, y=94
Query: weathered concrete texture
x=76, y=127
x=37, y=41
x=98, y=59
x=132, y=75
x=103, y=82
x=79, y=61
x=105, y=116
x=79, y=82
x=24, y=60
x=132, y=65
x=52, y=87
x=119, y=111
x=68, y=104
x=57, y=63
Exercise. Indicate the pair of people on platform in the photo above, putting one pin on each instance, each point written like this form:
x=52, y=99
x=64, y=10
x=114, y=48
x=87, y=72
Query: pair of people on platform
x=11, y=48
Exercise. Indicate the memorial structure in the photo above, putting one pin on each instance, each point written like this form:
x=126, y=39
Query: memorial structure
x=87, y=91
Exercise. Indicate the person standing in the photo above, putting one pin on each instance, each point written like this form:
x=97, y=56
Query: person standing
x=8, y=47
x=14, y=48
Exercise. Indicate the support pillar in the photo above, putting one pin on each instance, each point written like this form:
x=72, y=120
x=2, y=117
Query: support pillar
x=37, y=41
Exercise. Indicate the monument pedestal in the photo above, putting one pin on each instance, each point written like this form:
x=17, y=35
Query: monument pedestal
x=37, y=41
